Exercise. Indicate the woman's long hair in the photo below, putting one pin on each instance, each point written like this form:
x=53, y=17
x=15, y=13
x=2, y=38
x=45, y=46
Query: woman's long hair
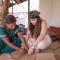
x=35, y=29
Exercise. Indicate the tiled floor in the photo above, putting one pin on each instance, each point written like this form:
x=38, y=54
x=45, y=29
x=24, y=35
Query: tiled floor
x=38, y=56
x=5, y=57
x=54, y=49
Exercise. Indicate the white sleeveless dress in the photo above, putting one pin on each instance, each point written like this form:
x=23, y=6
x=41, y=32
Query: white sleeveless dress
x=42, y=44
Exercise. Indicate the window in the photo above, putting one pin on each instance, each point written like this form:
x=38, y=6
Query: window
x=20, y=11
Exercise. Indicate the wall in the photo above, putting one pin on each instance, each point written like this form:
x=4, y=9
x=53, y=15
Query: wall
x=56, y=13
x=50, y=11
x=45, y=10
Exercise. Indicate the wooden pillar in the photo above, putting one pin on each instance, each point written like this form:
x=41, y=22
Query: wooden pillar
x=5, y=8
x=0, y=7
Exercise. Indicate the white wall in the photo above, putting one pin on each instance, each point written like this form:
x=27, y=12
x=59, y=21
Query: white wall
x=50, y=11
x=45, y=10
x=56, y=13
x=34, y=5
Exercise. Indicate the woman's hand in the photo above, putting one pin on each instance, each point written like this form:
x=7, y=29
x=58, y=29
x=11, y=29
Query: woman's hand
x=31, y=50
x=26, y=49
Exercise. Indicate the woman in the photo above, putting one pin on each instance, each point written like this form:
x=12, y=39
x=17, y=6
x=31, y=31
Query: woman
x=11, y=38
x=37, y=36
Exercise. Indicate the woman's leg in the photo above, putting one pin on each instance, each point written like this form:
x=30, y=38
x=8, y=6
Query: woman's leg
x=7, y=49
x=44, y=43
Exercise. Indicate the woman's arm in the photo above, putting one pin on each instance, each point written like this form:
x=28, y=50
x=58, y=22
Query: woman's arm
x=6, y=40
x=27, y=35
x=43, y=33
x=23, y=40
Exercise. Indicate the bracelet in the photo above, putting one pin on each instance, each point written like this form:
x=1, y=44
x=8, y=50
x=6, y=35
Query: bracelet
x=33, y=47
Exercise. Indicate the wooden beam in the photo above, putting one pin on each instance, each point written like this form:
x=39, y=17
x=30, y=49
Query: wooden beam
x=19, y=1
